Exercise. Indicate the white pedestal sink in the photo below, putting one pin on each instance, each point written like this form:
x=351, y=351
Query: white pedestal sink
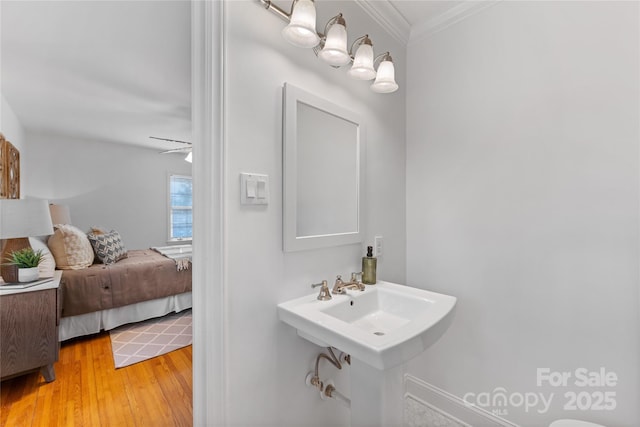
x=381, y=328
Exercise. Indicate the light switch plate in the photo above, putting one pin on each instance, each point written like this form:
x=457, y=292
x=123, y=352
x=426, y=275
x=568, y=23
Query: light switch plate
x=378, y=248
x=254, y=189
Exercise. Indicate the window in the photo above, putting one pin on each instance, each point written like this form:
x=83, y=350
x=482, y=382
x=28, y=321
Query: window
x=180, y=207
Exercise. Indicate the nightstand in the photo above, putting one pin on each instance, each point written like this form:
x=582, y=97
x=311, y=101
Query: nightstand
x=29, y=320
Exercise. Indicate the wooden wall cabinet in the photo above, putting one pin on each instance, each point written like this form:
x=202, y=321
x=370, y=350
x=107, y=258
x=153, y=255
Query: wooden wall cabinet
x=29, y=322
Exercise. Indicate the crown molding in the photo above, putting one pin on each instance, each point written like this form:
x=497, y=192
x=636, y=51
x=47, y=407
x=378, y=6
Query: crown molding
x=388, y=17
x=450, y=17
x=392, y=21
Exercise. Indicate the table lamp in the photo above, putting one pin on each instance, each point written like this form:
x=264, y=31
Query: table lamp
x=60, y=214
x=19, y=220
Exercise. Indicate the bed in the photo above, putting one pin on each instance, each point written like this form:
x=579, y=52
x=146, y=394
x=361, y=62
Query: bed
x=143, y=285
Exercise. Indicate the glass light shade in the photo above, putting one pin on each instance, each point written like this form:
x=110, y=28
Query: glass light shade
x=385, y=79
x=301, y=30
x=335, y=51
x=362, y=68
x=189, y=157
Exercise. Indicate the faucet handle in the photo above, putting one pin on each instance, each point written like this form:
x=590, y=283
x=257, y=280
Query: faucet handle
x=324, y=294
x=354, y=279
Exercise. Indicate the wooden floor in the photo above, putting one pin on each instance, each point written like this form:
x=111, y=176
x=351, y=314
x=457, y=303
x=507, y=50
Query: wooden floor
x=89, y=391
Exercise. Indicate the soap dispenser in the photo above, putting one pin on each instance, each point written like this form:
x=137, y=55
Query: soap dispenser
x=369, y=265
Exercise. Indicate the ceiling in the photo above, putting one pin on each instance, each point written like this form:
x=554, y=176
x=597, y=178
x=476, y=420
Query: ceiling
x=416, y=12
x=411, y=20
x=111, y=71
x=119, y=71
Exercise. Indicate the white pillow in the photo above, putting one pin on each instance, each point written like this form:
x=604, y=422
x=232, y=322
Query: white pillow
x=48, y=264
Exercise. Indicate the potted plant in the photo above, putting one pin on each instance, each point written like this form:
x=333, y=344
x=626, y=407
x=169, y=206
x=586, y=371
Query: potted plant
x=27, y=261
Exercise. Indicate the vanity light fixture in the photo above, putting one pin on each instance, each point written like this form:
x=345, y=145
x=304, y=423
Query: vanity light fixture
x=301, y=30
x=334, y=52
x=362, y=68
x=331, y=46
x=385, y=77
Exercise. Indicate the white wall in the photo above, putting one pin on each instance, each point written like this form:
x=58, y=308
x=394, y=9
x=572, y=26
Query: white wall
x=13, y=131
x=10, y=126
x=104, y=184
x=522, y=200
x=267, y=361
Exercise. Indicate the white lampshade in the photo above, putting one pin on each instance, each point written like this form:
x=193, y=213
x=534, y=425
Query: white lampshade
x=335, y=51
x=362, y=68
x=60, y=214
x=189, y=157
x=301, y=30
x=24, y=218
x=385, y=79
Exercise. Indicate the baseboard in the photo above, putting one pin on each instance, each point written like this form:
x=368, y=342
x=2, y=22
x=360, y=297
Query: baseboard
x=428, y=406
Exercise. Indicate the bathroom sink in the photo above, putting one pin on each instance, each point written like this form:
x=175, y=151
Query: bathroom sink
x=383, y=326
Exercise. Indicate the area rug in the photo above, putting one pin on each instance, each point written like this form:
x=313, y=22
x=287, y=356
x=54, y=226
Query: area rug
x=141, y=341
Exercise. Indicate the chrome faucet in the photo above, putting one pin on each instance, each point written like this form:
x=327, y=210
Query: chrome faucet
x=340, y=287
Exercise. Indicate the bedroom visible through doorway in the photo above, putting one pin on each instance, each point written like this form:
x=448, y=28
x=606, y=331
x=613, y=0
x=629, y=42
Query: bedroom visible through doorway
x=86, y=95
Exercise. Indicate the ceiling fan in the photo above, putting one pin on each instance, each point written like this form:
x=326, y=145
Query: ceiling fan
x=185, y=149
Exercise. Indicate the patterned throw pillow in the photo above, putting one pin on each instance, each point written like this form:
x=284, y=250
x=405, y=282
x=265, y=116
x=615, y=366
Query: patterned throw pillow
x=108, y=246
x=70, y=248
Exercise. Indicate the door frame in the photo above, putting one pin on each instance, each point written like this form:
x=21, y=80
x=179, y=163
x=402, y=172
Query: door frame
x=209, y=304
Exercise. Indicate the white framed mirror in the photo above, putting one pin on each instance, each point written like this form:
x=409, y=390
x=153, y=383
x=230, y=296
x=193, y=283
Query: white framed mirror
x=323, y=176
